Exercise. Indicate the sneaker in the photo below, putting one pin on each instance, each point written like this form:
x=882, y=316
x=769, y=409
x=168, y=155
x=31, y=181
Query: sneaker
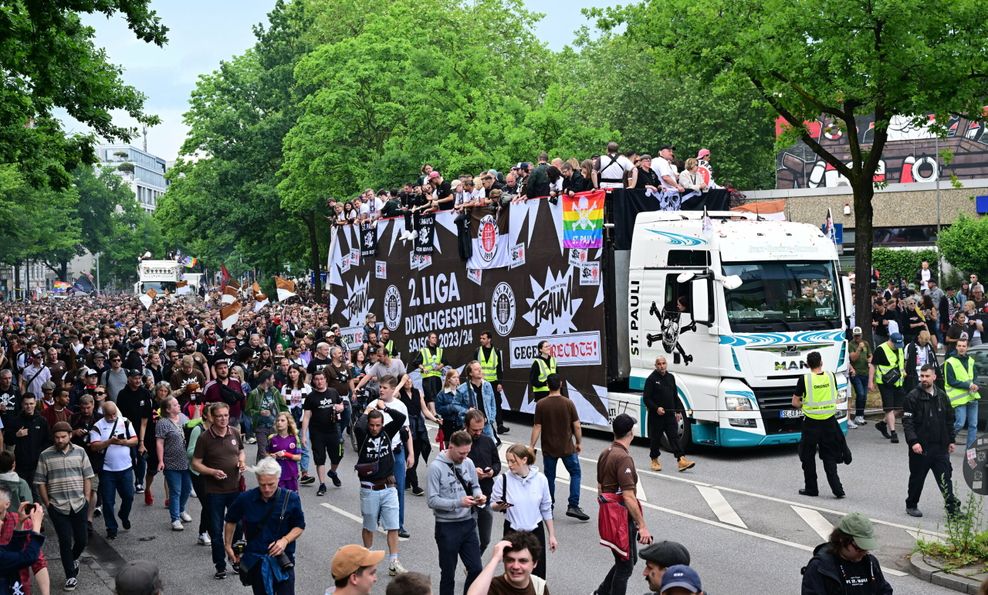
x=883, y=428
x=322, y=490
x=417, y=491
x=220, y=575
x=656, y=465
x=177, y=526
x=395, y=568
x=851, y=425
x=70, y=584
x=111, y=534
x=192, y=494
x=685, y=464
x=98, y=511
x=333, y=475
x=895, y=437
x=204, y=539
x=404, y=534
x=139, y=488
x=186, y=516
x=252, y=440
x=577, y=513
x=860, y=420
x=125, y=523
x=307, y=479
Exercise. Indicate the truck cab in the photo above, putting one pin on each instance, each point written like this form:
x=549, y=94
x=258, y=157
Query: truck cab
x=734, y=305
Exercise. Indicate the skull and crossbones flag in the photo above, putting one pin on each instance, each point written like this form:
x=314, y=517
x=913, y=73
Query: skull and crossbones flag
x=368, y=240
x=583, y=220
x=425, y=235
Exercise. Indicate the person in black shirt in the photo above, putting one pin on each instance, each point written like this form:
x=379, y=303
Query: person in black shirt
x=320, y=359
x=928, y=425
x=320, y=422
x=28, y=434
x=648, y=179
x=664, y=414
x=843, y=564
x=573, y=180
x=135, y=403
x=483, y=453
x=419, y=408
x=880, y=317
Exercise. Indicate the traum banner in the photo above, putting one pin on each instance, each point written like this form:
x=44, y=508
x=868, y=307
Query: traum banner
x=537, y=290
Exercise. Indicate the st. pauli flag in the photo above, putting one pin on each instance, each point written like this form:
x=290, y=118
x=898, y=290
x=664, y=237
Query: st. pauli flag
x=583, y=220
x=230, y=295
x=425, y=234
x=182, y=288
x=286, y=288
x=489, y=239
x=224, y=276
x=255, y=288
x=368, y=240
x=229, y=315
x=260, y=300
x=148, y=298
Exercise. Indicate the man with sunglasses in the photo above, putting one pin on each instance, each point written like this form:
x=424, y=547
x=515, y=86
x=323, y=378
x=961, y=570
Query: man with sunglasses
x=844, y=564
x=114, y=378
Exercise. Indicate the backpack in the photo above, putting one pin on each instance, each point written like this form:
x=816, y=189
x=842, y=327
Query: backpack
x=188, y=427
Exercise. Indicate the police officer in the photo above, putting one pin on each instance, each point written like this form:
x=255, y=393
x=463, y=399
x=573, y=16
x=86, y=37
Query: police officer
x=492, y=364
x=542, y=366
x=962, y=391
x=928, y=425
x=816, y=395
x=431, y=361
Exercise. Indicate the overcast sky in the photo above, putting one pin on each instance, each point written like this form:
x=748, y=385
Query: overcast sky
x=201, y=34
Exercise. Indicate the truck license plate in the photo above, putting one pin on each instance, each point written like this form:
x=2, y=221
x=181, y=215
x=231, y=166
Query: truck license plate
x=790, y=413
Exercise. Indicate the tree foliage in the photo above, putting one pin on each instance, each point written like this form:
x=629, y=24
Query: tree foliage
x=965, y=245
x=836, y=58
x=901, y=264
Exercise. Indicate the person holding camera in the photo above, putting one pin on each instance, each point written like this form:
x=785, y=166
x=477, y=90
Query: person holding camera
x=272, y=519
x=22, y=551
x=114, y=437
x=64, y=478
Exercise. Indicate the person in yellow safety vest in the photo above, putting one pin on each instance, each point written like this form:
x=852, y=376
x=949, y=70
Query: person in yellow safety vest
x=962, y=391
x=888, y=373
x=816, y=395
x=542, y=366
x=387, y=342
x=493, y=365
x=431, y=361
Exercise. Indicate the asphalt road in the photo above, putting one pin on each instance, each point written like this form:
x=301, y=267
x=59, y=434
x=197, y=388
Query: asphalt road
x=737, y=512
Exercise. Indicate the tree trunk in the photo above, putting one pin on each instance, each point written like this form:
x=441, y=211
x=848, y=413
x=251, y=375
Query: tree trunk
x=63, y=270
x=864, y=239
x=315, y=258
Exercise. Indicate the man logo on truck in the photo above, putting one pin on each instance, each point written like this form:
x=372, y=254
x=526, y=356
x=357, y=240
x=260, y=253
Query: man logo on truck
x=790, y=365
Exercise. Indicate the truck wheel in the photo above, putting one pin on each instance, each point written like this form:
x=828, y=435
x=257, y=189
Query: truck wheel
x=684, y=431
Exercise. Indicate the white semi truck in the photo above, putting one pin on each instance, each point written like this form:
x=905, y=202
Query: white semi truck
x=733, y=303
x=165, y=275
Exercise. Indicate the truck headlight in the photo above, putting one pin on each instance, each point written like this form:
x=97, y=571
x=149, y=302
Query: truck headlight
x=738, y=404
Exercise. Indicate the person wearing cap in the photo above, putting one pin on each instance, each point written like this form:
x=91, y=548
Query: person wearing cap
x=816, y=397
x=888, y=373
x=622, y=522
x=138, y=577
x=658, y=558
x=135, y=404
x=64, y=480
x=860, y=353
x=962, y=391
x=843, y=564
x=354, y=569
x=679, y=580
x=443, y=200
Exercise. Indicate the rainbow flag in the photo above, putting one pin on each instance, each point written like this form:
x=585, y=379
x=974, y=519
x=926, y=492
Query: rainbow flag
x=583, y=220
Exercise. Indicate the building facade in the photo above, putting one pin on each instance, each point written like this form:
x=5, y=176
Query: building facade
x=143, y=172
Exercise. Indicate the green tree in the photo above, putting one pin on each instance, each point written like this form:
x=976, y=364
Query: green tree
x=838, y=58
x=965, y=243
x=49, y=62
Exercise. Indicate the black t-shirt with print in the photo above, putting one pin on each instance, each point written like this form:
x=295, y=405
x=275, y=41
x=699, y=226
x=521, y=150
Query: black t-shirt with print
x=324, y=418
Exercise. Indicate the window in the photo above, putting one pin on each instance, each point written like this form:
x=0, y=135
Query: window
x=689, y=258
x=783, y=296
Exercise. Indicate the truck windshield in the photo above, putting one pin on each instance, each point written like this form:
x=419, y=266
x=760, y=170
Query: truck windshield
x=783, y=296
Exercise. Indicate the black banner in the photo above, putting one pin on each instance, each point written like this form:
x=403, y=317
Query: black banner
x=628, y=203
x=368, y=240
x=425, y=235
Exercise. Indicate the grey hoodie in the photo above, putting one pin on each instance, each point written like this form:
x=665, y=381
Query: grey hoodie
x=445, y=491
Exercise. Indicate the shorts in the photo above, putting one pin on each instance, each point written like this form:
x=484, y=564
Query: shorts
x=892, y=397
x=379, y=507
x=324, y=443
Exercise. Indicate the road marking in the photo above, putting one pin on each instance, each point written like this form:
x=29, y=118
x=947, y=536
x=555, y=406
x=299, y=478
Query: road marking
x=815, y=520
x=353, y=517
x=743, y=531
x=720, y=507
x=925, y=535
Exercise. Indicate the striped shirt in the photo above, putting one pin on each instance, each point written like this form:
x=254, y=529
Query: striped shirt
x=64, y=474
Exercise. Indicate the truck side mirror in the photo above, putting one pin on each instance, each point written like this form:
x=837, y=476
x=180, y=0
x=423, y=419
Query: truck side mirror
x=700, y=302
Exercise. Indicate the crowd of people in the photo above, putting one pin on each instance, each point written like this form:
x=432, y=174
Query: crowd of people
x=668, y=180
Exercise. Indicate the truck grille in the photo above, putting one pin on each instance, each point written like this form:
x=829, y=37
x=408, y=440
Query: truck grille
x=771, y=400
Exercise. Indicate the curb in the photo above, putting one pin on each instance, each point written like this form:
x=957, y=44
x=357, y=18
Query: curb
x=919, y=568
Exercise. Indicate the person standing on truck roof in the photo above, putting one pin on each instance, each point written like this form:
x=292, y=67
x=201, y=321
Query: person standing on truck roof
x=664, y=414
x=431, y=361
x=542, y=366
x=492, y=362
x=816, y=395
